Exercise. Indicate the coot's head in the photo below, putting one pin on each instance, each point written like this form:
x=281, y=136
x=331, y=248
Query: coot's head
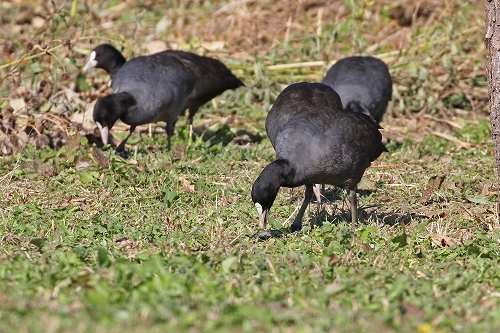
x=105, y=56
x=109, y=109
x=263, y=195
x=105, y=116
x=266, y=187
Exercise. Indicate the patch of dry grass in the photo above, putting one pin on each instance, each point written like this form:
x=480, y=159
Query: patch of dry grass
x=434, y=50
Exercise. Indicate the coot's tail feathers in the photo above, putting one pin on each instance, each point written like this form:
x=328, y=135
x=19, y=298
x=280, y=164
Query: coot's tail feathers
x=369, y=119
x=357, y=106
x=373, y=123
x=232, y=82
x=204, y=66
x=378, y=152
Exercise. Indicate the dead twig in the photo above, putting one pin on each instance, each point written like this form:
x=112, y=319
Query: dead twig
x=444, y=121
x=457, y=142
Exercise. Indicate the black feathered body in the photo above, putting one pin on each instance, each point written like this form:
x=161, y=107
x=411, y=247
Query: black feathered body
x=363, y=83
x=160, y=85
x=328, y=146
x=212, y=78
x=296, y=99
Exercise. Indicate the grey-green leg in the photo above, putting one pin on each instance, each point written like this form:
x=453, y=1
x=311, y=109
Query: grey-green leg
x=170, y=131
x=354, y=207
x=121, y=146
x=297, y=223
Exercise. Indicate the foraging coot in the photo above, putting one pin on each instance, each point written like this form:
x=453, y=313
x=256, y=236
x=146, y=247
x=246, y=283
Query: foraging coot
x=145, y=90
x=363, y=83
x=318, y=144
x=211, y=77
x=294, y=103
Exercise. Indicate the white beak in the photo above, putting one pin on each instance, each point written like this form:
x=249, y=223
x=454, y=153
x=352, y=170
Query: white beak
x=91, y=63
x=262, y=215
x=104, y=133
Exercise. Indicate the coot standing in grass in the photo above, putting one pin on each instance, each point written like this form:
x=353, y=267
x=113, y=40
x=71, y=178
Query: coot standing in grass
x=293, y=104
x=145, y=90
x=363, y=83
x=211, y=77
x=322, y=144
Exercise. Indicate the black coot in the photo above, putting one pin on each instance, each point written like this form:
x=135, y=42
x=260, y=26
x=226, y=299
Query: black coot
x=319, y=144
x=145, y=90
x=295, y=103
x=211, y=76
x=363, y=83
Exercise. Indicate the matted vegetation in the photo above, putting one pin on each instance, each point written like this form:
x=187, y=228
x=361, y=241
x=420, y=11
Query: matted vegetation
x=160, y=242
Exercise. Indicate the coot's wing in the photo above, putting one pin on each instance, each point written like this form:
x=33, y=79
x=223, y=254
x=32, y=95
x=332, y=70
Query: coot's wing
x=294, y=100
x=159, y=84
x=329, y=146
x=212, y=77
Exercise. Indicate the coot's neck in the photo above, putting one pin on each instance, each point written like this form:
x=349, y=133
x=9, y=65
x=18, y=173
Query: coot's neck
x=267, y=185
x=124, y=103
x=113, y=67
x=281, y=170
x=109, y=59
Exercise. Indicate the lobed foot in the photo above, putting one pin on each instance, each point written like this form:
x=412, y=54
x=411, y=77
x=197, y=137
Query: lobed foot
x=264, y=234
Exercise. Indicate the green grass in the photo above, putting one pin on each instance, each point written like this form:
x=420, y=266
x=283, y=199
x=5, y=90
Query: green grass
x=157, y=244
x=161, y=242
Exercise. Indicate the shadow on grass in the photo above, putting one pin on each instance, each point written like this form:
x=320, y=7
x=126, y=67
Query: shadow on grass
x=343, y=215
x=223, y=134
x=226, y=135
x=336, y=209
